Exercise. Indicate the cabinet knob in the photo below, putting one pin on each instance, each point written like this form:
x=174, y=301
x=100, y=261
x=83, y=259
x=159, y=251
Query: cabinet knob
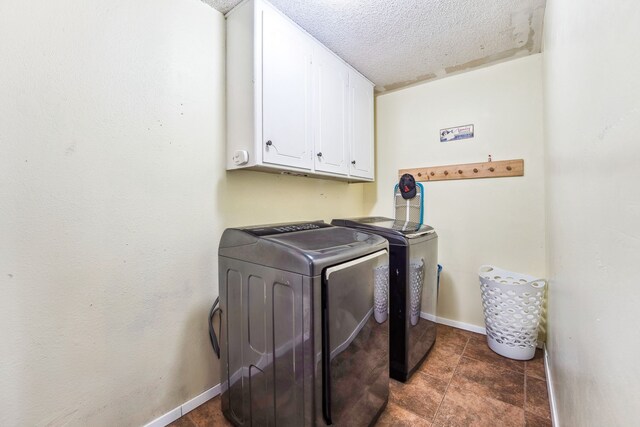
x=269, y=143
x=353, y=162
x=319, y=154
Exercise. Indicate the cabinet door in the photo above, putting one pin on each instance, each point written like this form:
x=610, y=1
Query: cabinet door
x=361, y=164
x=331, y=99
x=286, y=92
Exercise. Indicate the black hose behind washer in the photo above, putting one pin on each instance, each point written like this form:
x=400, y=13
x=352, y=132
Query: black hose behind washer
x=212, y=331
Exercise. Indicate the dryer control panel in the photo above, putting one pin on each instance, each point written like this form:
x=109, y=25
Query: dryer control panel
x=286, y=228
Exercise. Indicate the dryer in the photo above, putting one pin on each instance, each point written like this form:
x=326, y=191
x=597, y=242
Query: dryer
x=413, y=289
x=300, y=345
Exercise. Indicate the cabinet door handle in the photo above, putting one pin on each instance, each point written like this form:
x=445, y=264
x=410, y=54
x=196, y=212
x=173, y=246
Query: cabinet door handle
x=269, y=143
x=319, y=154
x=353, y=162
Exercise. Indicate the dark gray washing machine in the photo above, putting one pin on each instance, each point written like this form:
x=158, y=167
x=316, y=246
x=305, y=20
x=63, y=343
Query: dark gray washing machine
x=413, y=289
x=300, y=345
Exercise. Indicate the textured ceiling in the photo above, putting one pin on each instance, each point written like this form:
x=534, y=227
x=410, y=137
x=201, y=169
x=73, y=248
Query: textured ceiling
x=396, y=43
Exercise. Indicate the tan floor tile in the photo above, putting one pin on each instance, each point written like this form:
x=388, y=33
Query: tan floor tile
x=209, y=414
x=396, y=416
x=476, y=335
x=478, y=349
x=535, y=421
x=535, y=366
x=421, y=395
x=537, y=398
x=466, y=408
x=183, y=422
x=451, y=339
x=490, y=381
x=440, y=363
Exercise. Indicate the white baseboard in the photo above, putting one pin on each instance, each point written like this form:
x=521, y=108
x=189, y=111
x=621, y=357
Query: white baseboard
x=200, y=399
x=553, y=405
x=454, y=323
x=166, y=419
x=185, y=408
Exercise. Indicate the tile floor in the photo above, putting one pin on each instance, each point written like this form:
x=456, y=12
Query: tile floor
x=461, y=383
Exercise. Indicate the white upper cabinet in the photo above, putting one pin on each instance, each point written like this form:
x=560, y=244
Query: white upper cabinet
x=286, y=92
x=331, y=112
x=361, y=127
x=293, y=106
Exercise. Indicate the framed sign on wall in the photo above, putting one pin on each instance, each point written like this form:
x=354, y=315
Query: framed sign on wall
x=456, y=133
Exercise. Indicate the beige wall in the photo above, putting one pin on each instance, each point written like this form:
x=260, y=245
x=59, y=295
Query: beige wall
x=496, y=221
x=592, y=121
x=113, y=196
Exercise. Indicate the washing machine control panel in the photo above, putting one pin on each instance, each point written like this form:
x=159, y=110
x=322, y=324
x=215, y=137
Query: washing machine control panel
x=286, y=228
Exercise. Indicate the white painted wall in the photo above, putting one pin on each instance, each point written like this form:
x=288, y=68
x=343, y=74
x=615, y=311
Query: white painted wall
x=592, y=121
x=483, y=221
x=113, y=196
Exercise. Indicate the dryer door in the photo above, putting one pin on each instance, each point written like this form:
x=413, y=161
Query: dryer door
x=355, y=356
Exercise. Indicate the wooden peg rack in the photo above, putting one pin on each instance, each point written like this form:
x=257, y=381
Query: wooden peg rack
x=495, y=169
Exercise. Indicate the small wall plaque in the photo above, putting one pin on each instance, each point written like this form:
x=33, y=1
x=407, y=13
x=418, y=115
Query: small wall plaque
x=456, y=133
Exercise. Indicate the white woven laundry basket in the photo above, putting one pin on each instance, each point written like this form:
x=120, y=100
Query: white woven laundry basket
x=513, y=305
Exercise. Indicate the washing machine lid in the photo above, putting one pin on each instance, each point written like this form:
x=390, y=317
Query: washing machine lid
x=305, y=247
x=380, y=224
